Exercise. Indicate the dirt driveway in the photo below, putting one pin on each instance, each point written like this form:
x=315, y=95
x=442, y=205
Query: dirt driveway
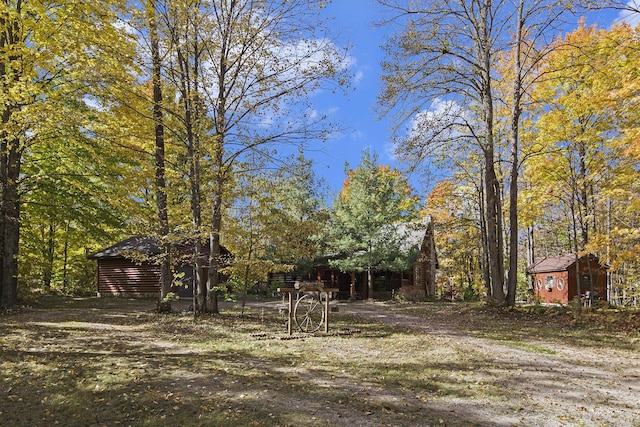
x=113, y=363
x=547, y=381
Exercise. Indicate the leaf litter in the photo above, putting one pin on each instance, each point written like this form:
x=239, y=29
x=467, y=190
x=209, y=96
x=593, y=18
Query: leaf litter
x=82, y=364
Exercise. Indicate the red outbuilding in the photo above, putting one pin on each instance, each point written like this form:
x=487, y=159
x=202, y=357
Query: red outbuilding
x=555, y=279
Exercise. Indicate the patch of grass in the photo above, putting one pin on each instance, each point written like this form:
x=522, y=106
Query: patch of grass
x=533, y=348
x=93, y=363
x=617, y=328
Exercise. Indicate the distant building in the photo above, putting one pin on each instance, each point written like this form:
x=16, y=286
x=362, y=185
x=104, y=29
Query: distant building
x=418, y=282
x=554, y=279
x=129, y=268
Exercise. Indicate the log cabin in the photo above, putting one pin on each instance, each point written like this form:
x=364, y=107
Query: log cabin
x=416, y=283
x=129, y=268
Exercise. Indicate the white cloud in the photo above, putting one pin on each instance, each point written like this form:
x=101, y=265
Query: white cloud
x=632, y=15
x=430, y=131
x=297, y=59
x=267, y=121
x=438, y=121
x=357, y=78
x=126, y=27
x=312, y=115
x=390, y=150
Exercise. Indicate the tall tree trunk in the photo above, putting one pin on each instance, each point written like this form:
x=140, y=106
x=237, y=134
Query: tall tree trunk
x=65, y=256
x=199, y=285
x=193, y=150
x=49, y=255
x=218, y=164
x=575, y=249
x=189, y=77
x=531, y=250
x=500, y=232
x=164, y=304
x=215, y=249
x=583, y=188
x=10, y=160
x=492, y=185
x=10, y=175
x=188, y=93
x=512, y=279
x=486, y=274
x=430, y=261
x=493, y=230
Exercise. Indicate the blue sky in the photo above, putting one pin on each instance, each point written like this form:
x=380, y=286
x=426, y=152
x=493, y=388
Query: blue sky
x=353, y=21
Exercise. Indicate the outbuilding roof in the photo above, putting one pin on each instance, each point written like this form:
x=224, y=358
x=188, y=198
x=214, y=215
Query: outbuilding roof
x=557, y=263
x=144, y=245
x=411, y=234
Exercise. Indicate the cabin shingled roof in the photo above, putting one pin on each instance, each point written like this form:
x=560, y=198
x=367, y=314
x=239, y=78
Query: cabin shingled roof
x=144, y=245
x=412, y=233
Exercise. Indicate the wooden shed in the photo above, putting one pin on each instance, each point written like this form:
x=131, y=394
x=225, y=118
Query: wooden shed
x=554, y=279
x=128, y=269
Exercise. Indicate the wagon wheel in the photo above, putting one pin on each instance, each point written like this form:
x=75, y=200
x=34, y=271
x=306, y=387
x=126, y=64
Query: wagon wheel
x=308, y=313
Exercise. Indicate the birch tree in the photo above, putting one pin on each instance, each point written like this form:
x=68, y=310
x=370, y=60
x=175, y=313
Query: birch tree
x=445, y=54
x=248, y=69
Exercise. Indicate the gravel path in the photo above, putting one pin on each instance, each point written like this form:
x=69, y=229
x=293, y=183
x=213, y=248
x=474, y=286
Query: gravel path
x=544, y=383
x=466, y=372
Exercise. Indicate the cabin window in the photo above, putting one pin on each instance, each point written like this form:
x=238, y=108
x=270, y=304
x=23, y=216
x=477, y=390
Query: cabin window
x=539, y=284
x=560, y=284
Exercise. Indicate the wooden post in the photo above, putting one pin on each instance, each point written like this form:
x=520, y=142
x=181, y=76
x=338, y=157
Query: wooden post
x=290, y=323
x=319, y=291
x=352, y=287
x=326, y=312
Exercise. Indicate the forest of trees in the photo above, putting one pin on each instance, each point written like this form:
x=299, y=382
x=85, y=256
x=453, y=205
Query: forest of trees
x=538, y=127
x=187, y=121
x=123, y=118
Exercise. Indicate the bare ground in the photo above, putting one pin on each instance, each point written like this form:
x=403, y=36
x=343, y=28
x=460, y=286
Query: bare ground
x=545, y=380
x=115, y=362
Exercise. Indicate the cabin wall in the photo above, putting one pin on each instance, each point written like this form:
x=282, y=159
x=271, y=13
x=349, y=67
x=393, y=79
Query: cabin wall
x=589, y=273
x=418, y=282
x=125, y=278
x=552, y=287
x=429, y=261
x=118, y=275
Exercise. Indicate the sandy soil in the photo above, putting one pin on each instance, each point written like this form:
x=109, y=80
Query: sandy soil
x=565, y=386
x=487, y=371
